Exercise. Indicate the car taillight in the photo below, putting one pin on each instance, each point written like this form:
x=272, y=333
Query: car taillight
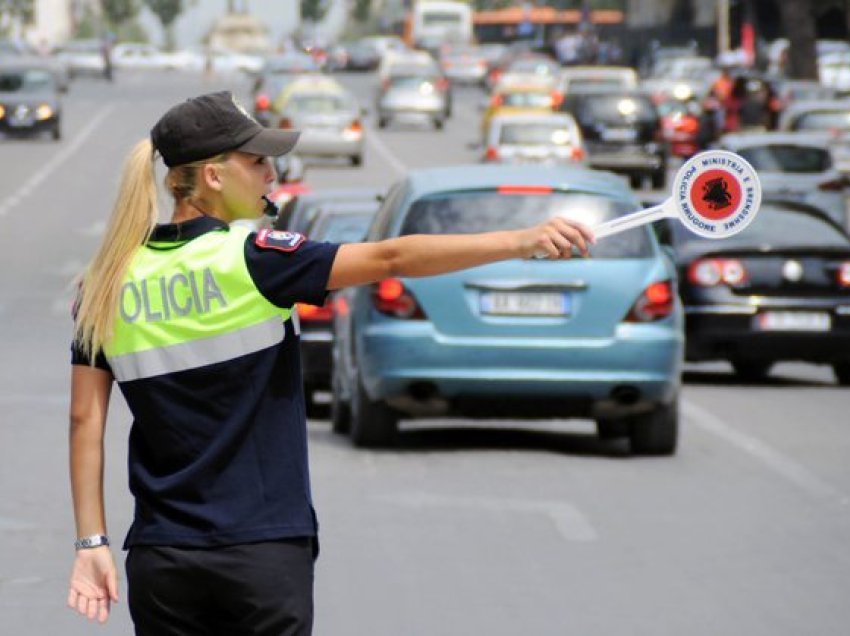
x=557, y=99
x=392, y=298
x=688, y=124
x=708, y=272
x=577, y=153
x=354, y=128
x=834, y=185
x=442, y=84
x=655, y=303
x=495, y=75
x=284, y=122
x=843, y=274
x=312, y=313
x=491, y=154
x=385, y=84
x=496, y=101
x=263, y=102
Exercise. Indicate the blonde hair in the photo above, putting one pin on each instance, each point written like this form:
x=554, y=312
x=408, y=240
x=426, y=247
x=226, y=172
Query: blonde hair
x=133, y=218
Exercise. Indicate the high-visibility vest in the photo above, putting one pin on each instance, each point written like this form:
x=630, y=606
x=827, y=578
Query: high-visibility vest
x=188, y=305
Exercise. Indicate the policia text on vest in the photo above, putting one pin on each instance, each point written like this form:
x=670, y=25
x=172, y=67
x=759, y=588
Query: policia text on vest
x=179, y=295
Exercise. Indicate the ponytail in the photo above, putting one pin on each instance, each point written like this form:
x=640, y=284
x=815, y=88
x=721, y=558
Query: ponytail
x=131, y=223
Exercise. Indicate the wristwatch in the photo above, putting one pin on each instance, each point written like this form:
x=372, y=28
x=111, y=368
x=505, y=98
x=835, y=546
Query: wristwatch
x=93, y=541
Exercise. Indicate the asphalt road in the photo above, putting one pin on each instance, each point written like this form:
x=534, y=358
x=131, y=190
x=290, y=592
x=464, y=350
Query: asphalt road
x=470, y=527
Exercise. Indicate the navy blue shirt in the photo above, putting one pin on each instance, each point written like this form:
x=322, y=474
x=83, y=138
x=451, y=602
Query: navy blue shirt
x=218, y=454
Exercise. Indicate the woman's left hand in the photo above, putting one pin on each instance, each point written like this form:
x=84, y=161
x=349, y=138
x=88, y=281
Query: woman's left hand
x=94, y=583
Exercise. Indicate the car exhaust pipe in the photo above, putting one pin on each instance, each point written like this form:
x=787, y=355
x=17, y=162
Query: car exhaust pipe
x=625, y=394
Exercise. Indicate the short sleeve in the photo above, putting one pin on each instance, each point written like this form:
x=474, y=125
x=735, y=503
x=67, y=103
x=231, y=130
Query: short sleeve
x=289, y=270
x=78, y=356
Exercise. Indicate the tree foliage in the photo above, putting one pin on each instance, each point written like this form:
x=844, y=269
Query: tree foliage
x=22, y=10
x=166, y=10
x=119, y=11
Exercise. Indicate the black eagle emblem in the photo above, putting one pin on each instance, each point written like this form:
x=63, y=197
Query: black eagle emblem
x=716, y=194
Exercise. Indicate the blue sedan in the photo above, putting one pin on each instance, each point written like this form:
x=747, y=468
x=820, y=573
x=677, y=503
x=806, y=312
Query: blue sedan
x=599, y=337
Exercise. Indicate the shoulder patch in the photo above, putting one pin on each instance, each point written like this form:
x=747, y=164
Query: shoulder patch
x=279, y=240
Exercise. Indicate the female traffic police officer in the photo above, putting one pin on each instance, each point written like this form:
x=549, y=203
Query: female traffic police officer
x=193, y=320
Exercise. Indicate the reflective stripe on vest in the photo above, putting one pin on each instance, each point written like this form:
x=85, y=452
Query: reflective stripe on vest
x=189, y=307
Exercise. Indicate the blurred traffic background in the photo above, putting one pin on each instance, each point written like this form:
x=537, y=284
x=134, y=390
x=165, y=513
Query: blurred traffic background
x=653, y=440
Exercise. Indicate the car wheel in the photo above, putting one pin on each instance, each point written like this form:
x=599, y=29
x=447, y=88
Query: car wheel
x=656, y=432
x=356, y=160
x=56, y=133
x=438, y=124
x=373, y=423
x=636, y=181
x=842, y=372
x=340, y=409
x=752, y=370
x=612, y=429
x=382, y=122
x=658, y=178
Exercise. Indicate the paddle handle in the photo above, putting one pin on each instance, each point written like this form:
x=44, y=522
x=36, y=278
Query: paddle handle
x=633, y=220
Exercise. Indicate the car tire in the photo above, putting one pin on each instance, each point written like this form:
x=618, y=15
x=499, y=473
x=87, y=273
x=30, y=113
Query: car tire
x=373, y=422
x=752, y=370
x=438, y=123
x=340, y=409
x=842, y=372
x=658, y=179
x=382, y=122
x=356, y=160
x=56, y=133
x=656, y=432
x=636, y=181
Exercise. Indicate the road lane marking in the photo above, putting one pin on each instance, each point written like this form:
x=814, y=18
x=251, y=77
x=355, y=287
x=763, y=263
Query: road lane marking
x=776, y=461
x=29, y=186
x=396, y=164
x=571, y=524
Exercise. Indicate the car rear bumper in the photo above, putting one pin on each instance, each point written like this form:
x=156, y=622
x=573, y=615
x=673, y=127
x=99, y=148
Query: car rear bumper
x=726, y=336
x=328, y=145
x=316, y=358
x=28, y=129
x=418, y=370
x=616, y=162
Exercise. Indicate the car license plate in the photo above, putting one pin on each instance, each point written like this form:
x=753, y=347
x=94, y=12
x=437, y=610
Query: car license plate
x=525, y=303
x=619, y=134
x=21, y=122
x=793, y=321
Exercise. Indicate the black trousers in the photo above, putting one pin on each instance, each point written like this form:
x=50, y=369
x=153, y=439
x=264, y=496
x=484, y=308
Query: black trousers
x=262, y=589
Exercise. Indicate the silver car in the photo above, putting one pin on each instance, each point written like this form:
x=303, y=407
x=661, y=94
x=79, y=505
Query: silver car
x=420, y=96
x=826, y=116
x=542, y=138
x=329, y=119
x=794, y=167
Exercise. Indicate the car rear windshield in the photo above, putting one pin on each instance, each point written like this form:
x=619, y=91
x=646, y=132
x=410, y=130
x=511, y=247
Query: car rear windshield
x=615, y=108
x=319, y=103
x=531, y=99
x=531, y=134
x=341, y=228
x=787, y=158
x=778, y=227
x=469, y=212
x=13, y=82
x=584, y=83
x=824, y=120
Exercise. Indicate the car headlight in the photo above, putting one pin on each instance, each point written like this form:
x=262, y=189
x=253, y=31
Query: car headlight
x=43, y=112
x=2, y=111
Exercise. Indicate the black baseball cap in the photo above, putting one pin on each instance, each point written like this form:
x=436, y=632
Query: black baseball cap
x=208, y=125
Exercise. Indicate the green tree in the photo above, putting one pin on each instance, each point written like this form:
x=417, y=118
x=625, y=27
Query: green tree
x=118, y=12
x=167, y=11
x=313, y=10
x=20, y=10
x=363, y=9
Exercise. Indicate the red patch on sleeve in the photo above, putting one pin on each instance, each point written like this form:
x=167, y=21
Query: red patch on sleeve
x=279, y=240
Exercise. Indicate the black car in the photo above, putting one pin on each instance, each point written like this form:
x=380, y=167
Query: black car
x=29, y=100
x=622, y=133
x=777, y=291
x=336, y=223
